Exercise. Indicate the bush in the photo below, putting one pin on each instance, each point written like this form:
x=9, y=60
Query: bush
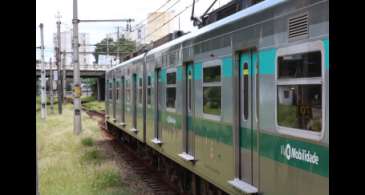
x=92, y=156
x=107, y=178
x=88, y=141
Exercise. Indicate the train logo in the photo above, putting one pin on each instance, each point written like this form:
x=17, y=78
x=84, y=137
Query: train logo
x=290, y=152
x=170, y=120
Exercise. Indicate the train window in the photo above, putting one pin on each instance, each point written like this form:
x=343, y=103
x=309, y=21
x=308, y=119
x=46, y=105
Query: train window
x=117, y=91
x=149, y=90
x=302, y=65
x=302, y=108
x=140, y=91
x=212, y=74
x=299, y=91
x=171, y=90
x=171, y=78
x=212, y=90
x=110, y=90
x=128, y=91
x=245, y=91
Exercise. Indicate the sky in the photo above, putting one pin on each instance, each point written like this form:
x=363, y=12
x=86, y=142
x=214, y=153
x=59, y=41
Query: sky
x=46, y=11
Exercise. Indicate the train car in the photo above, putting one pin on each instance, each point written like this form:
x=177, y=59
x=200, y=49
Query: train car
x=241, y=103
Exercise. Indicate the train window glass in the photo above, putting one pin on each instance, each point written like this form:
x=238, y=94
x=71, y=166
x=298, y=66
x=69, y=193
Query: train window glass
x=110, y=90
x=212, y=74
x=171, y=78
x=299, y=91
x=128, y=91
x=189, y=88
x=140, y=91
x=245, y=91
x=171, y=90
x=117, y=91
x=171, y=97
x=300, y=65
x=212, y=100
x=302, y=109
x=212, y=90
x=149, y=90
x=149, y=81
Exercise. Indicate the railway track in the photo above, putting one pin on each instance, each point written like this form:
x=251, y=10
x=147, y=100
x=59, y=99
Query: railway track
x=142, y=168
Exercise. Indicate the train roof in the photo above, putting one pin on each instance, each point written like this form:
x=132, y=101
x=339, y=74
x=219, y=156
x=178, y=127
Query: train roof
x=227, y=20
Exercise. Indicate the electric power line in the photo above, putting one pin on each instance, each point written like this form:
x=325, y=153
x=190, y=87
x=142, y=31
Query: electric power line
x=153, y=19
x=154, y=11
x=158, y=28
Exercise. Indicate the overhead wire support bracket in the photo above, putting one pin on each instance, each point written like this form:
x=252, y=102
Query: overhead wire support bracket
x=110, y=20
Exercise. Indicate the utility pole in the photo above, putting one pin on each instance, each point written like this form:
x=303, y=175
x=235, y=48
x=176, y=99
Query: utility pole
x=58, y=61
x=43, y=79
x=64, y=74
x=51, y=84
x=77, y=83
x=75, y=48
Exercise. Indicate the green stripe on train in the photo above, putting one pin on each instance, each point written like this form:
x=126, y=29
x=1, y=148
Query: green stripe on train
x=300, y=154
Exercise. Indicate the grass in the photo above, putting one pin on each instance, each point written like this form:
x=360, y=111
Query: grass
x=87, y=141
x=70, y=164
x=93, y=155
x=89, y=102
x=85, y=99
x=95, y=105
x=106, y=178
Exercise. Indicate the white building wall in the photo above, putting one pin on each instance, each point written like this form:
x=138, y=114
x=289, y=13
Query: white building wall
x=66, y=45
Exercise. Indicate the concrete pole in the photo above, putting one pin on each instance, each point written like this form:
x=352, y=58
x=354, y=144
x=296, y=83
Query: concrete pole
x=64, y=74
x=58, y=60
x=77, y=83
x=51, y=84
x=43, y=79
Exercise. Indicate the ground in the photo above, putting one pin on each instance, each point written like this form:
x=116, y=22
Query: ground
x=69, y=164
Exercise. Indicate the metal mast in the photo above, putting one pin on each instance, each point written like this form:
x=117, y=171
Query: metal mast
x=43, y=78
x=77, y=83
x=58, y=61
x=51, y=84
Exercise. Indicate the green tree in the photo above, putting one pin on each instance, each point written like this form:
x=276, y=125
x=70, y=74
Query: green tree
x=122, y=45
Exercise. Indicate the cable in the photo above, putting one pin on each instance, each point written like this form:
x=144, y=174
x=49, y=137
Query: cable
x=153, y=19
x=158, y=28
x=154, y=11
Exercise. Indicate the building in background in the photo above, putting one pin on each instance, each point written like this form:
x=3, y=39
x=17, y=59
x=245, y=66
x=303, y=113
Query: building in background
x=151, y=30
x=107, y=60
x=66, y=45
x=159, y=25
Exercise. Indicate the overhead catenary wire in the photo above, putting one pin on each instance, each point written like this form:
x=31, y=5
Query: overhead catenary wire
x=167, y=22
x=153, y=19
x=158, y=16
x=135, y=27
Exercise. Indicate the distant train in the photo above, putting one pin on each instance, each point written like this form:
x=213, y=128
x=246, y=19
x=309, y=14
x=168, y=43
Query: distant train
x=241, y=103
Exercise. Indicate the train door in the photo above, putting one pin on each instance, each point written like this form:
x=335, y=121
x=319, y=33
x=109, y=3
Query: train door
x=247, y=121
x=134, y=101
x=188, y=134
x=158, y=103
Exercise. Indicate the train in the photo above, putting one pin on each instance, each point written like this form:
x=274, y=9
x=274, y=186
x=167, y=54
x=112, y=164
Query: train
x=241, y=103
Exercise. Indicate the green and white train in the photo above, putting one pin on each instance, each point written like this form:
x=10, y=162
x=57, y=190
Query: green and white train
x=241, y=103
